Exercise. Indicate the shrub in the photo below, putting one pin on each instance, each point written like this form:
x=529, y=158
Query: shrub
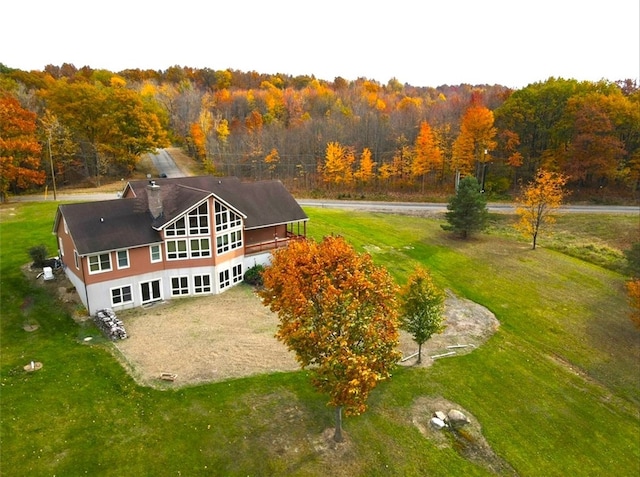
x=39, y=255
x=253, y=275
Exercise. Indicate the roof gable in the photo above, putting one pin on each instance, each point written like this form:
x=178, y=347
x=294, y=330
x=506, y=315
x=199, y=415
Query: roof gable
x=109, y=225
x=262, y=203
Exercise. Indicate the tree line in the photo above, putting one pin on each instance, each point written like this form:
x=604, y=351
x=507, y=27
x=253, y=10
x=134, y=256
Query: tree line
x=340, y=136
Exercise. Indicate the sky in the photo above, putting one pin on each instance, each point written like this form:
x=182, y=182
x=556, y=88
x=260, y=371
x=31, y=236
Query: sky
x=420, y=42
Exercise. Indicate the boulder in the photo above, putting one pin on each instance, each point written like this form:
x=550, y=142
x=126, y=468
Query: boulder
x=440, y=415
x=437, y=423
x=457, y=419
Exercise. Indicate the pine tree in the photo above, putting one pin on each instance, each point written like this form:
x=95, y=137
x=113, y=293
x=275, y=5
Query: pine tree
x=467, y=210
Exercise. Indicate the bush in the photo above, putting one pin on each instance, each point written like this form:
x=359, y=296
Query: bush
x=253, y=276
x=39, y=255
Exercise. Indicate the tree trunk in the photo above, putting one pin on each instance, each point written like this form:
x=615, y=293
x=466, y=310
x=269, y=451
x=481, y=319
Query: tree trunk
x=419, y=353
x=337, y=436
x=535, y=237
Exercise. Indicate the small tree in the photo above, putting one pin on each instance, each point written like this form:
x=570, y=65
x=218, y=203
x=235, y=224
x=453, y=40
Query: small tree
x=467, y=210
x=633, y=294
x=38, y=254
x=421, y=308
x=539, y=199
x=338, y=313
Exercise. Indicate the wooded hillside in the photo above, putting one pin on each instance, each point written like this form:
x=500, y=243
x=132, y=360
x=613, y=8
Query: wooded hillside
x=341, y=137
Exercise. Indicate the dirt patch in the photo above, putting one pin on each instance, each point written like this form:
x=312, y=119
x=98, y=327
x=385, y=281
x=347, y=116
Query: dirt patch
x=203, y=339
x=468, y=325
x=467, y=441
x=231, y=335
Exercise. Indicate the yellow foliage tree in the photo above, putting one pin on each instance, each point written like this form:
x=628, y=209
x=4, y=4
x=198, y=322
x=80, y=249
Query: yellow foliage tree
x=475, y=141
x=427, y=155
x=365, y=172
x=337, y=166
x=537, y=202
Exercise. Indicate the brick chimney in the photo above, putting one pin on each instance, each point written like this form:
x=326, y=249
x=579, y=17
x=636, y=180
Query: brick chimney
x=155, y=201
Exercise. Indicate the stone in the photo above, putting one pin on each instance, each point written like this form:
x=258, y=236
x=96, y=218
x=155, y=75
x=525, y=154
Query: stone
x=437, y=423
x=440, y=415
x=457, y=419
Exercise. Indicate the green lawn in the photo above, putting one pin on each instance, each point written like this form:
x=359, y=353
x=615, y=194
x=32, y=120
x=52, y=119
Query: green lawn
x=556, y=389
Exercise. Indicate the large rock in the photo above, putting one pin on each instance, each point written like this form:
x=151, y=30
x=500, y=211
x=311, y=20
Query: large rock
x=437, y=423
x=457, y=419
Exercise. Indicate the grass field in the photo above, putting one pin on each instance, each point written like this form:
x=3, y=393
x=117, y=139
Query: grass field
x=556, y=389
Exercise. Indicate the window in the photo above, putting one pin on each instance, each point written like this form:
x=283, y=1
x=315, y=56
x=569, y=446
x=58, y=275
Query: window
x=123, y=258
x=222, y=243
x=121, y=296
x=236, y=239
x=236, y=273
x=225, y=219
x=100, y=263
x=176, y=249
x=200, y=248
x=179, y=286
x=76, y=258
x=199, y=220
x=224, y=279
x=156, y=256
x=202, y=284
x=61, y=246
x=178, y=228
x=150, y=291
x=64, y=223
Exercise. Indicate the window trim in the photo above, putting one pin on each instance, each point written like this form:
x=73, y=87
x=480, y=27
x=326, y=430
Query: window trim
x=151, y=247
x=202, y=286
x=177, y=251
x=126, y=251
x=122, y=303
x=100, y=270
x=182, y=290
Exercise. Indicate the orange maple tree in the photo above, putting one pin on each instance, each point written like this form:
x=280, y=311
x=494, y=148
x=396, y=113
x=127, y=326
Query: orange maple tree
x=539, y=199
x=475, y=141
x=338, y=313
x=19, y=148
x=633, y=293
x=427, y=155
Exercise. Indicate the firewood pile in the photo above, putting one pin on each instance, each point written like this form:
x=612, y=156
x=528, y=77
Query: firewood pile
x=110, y=325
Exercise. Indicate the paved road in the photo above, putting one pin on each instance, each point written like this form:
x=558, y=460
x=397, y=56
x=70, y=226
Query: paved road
x=428, y=207
x=165, y=164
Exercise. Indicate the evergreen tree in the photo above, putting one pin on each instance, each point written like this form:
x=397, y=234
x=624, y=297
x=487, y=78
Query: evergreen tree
x=467, y=210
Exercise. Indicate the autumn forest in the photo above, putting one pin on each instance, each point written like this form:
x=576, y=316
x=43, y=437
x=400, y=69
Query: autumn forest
x=361, y=137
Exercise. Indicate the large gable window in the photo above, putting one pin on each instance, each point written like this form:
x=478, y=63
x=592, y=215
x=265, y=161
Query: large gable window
x=100, y=263
x=200, y=248
x=177, y=229
x=176, y=249
x=199, y=220
x=225, y=219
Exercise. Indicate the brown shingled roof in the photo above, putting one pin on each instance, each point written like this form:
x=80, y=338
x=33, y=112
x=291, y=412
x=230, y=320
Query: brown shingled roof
x=109, y=225
x=127, y=222
x=262, y=203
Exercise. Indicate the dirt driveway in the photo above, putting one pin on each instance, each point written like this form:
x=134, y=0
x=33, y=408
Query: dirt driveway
x=231, y=335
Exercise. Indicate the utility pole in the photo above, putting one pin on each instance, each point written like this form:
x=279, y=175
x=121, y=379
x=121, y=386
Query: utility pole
x=53, y=173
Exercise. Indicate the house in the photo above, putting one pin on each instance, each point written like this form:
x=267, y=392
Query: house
x=173, y=237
